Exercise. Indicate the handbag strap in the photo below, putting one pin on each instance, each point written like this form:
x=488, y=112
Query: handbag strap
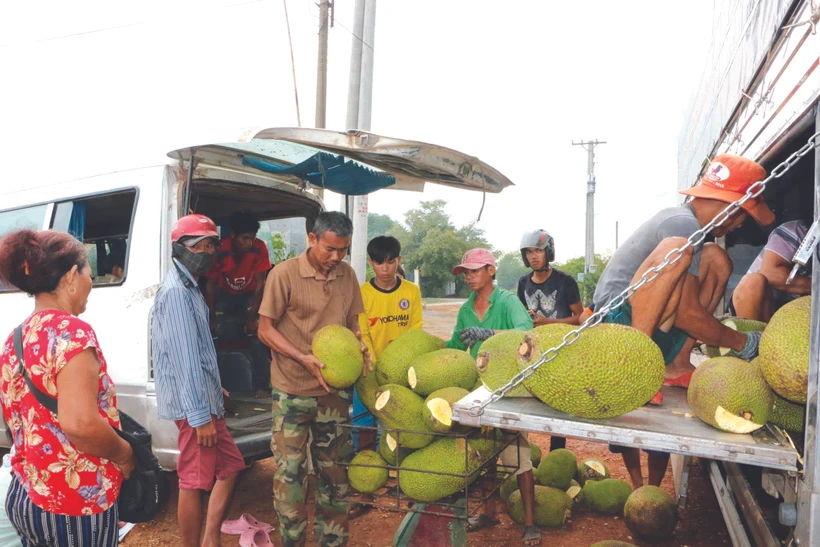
x=46, y=400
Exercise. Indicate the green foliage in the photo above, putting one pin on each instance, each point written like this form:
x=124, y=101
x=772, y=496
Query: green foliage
x=574, y=266
x=279, y=249
x=379, y=225
x=510, y=269
x=431, y=242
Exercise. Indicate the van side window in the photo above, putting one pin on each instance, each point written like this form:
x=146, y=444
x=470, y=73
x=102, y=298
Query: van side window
x=31, y=218
x=103, y=224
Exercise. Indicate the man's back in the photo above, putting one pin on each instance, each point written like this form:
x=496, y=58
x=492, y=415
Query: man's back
x=624, y=264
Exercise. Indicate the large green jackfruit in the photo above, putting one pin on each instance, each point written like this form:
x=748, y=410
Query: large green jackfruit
x=497, y=362
x=399, y=408
x=441, y=368
x=438, y=408
x=739, y=324
x=730, y=394
x=399, y=355
x=650, y=513
x=340, y=351
x=454, y=455
x=508, y=487
x=367, y=472
x=788, y=415
x=610, y=370
x=367, y=387
x=552, y=507
x=557, y=469
x=784, y=350
x=535, y=454
x=607, y=497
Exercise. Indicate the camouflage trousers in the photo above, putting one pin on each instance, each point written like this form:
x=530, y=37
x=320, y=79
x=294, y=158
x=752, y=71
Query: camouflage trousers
x=294, y=419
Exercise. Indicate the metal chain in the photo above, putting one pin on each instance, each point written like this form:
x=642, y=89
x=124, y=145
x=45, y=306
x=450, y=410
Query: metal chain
x=648, y=276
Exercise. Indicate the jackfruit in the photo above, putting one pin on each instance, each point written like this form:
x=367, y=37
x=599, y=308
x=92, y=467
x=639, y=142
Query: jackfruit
x=651, y=513
x=458, y=456
x=362, y=476
x=367, y=387
x=535, y=455
x=340, y=351
x=439, y=369
x=788, y=415
x=730, y=394
x=478, y=384
x=552, y=507
x=399, y=408
x=438, y=408
x=508, y=487
x=390, y=450
x=399, y=354
x=557, y=469
x=591, y=470
x=739, y=324
x=784, y=350
x=613, y=543
x=610, y=370
x=497, y=362
x=607, y=496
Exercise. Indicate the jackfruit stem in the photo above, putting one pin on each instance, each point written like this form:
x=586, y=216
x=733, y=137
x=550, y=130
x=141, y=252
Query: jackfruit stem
x=525, y=349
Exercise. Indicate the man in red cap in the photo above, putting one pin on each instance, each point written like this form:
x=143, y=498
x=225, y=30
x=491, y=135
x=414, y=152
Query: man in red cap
x=678, y=306
x=487, y=311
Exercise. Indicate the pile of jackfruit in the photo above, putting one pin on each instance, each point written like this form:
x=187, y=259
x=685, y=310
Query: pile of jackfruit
x=739, y=397
x=564, y=485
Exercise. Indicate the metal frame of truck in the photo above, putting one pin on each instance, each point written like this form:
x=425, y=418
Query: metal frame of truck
x=773, y=58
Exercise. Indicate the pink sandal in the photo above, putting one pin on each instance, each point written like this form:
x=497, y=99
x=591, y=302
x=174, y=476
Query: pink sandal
x=245, y=523
x=255, y=538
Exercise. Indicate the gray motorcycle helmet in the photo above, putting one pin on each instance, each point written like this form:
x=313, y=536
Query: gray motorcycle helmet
x=538, y=239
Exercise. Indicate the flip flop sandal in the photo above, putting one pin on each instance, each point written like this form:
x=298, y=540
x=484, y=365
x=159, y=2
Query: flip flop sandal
x=357, y=510
x=531, y=533
x=243, y=524
x=255, y=538
x=681, y=381
x=474, y=524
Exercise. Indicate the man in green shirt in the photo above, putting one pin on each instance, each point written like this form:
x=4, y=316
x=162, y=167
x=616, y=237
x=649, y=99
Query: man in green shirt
x=487, y=311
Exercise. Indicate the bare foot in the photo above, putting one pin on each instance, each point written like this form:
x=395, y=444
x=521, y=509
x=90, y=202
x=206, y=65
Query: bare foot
x=531, y=535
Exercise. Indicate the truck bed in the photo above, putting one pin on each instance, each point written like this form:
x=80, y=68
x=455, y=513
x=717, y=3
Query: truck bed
x=668, y=428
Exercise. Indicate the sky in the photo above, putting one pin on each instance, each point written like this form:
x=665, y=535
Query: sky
x=96, y=86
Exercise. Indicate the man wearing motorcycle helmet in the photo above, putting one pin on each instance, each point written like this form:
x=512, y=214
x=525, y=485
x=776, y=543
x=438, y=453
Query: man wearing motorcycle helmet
x=550, y=295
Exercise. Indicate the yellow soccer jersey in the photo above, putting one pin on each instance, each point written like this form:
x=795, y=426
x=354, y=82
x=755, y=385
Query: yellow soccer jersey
x=387, y=314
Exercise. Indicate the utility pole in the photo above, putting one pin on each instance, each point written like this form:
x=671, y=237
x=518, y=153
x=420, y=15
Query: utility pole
x=616, y=235
x=589, y=254
x=321, y=72
x=359, y=103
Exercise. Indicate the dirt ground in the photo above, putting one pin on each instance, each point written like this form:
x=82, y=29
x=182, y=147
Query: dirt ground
x=700, y=525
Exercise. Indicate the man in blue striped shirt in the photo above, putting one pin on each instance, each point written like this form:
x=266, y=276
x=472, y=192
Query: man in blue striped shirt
x=189, y=390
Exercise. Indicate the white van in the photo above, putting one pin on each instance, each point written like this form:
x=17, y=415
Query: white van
x=130, y=213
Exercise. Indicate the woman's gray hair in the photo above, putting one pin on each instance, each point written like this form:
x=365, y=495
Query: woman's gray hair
x=332, y=221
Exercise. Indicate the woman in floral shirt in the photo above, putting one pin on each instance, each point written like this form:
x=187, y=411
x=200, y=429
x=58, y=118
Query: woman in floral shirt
x=68, y=467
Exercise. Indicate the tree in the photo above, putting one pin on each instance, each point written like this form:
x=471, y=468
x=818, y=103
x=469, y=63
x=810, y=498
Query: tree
x=431, y=243
x=575, y=266
x=510, y=269
x=379, y=225
x=279, y=249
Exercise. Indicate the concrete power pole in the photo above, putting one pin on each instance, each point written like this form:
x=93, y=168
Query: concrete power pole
x=359, y=104
x=589, y=254
x=321, y=73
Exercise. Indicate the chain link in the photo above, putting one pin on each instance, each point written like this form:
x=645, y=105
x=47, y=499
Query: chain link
x=649, y=275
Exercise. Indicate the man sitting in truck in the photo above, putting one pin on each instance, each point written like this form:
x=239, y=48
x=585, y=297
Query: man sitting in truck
x=487, y=311
x=235, y=287
x=677, y=307
x=763, y=290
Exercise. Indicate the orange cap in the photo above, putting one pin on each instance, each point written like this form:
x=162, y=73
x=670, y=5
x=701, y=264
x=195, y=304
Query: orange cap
x=727, y=179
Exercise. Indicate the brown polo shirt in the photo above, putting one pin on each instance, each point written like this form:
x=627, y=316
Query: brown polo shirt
x=301, y=301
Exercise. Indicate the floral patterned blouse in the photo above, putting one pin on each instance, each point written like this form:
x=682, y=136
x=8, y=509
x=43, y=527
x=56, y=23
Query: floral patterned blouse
x=57, y=476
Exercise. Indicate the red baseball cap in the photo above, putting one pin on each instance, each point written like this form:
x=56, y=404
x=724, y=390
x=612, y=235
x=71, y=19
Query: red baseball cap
x=475, y=259
x=727, y=179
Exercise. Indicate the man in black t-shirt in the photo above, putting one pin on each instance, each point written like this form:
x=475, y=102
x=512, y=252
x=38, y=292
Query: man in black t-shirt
x=550, y=295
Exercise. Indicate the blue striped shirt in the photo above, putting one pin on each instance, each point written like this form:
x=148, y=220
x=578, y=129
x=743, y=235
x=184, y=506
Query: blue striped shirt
x=185, y=369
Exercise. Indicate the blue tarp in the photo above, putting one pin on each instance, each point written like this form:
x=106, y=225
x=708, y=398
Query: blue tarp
x=331, y=172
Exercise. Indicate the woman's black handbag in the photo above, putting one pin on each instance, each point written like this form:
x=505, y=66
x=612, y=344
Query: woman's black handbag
x=139, y=495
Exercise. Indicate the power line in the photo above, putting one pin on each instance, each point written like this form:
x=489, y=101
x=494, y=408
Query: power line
x=353, y=34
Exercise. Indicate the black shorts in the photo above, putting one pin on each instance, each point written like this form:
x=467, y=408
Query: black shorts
x=618, y=449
